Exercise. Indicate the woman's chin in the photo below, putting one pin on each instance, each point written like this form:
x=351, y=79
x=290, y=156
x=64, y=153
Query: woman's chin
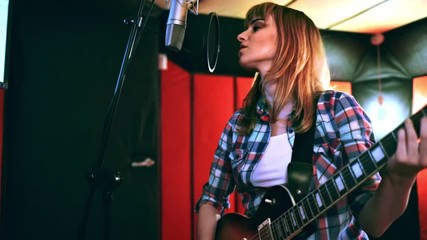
x=245, y=65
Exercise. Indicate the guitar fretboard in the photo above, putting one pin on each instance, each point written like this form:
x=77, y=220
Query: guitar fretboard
x=340, y=184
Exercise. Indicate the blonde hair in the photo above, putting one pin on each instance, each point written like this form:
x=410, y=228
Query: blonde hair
x=299, y=67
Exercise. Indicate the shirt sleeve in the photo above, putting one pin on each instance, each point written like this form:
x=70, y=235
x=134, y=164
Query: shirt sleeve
x=220, y=184
x=356, y=136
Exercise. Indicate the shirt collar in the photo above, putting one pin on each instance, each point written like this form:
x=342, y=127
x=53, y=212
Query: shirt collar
x=262, y=110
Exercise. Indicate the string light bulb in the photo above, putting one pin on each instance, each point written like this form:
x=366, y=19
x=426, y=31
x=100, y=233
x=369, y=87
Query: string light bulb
x=377, y=40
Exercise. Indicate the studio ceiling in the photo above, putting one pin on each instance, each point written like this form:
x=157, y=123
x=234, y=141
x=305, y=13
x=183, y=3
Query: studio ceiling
x=361, y=16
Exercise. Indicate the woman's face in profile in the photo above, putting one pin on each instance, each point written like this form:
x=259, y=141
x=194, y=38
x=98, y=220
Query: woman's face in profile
x=258, y=44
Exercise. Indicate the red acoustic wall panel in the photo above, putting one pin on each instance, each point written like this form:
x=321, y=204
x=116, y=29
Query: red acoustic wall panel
x=419, y=101
x=213, y=105
x=176, y=208
x=422, y=203
x=243, y=85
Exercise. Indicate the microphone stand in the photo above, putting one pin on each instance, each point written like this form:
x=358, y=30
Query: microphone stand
x=101, y=178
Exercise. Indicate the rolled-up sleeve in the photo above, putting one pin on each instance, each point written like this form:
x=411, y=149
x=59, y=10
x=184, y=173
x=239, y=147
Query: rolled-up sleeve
x=220, y=184
x=356, y=135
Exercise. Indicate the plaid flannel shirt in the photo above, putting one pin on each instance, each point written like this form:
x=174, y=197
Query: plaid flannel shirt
x=343, y=132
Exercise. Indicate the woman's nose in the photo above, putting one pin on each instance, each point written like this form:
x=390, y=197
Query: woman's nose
x=241, y=36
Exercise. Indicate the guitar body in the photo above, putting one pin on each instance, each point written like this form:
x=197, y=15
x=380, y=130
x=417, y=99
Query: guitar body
x=234, y=226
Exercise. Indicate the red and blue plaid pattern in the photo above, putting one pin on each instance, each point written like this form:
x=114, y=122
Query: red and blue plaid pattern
x=343, y=132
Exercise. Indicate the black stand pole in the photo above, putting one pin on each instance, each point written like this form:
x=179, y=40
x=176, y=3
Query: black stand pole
x=101, y=178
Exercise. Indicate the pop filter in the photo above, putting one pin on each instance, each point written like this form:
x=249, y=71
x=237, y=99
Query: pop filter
x=212, y=42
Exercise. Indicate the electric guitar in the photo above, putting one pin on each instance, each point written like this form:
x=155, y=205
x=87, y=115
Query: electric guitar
x=279, y=217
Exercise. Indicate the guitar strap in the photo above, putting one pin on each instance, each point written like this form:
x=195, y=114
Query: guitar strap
x=300, y=169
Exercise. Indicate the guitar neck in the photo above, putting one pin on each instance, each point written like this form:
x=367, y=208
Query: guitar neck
x=340, y=184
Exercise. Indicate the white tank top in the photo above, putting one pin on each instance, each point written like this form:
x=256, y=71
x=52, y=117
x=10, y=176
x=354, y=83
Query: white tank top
x=272, y=168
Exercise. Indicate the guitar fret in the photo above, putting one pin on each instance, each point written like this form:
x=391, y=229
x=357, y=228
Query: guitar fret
x=294, y=225
x=325, y=195
x=319, y=201
x=277, y=234
x=368, y=163
x=334, y=193
x=273, y=233
x=299, y=220
x=298, y=216
x=284, y=229
x=312, y=202
x=392, y=137
x=349, y=179
x=357, y=170
x=340, y=183
x=289, y=227
x=283, y=232
x=302, y=213
x=288, y=230
x=378, y=154
x=306, y=204
x=389, y=144
x=361, y=166
x=294, y=220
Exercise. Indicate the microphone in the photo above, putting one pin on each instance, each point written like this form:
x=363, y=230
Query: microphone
x=176, y=24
